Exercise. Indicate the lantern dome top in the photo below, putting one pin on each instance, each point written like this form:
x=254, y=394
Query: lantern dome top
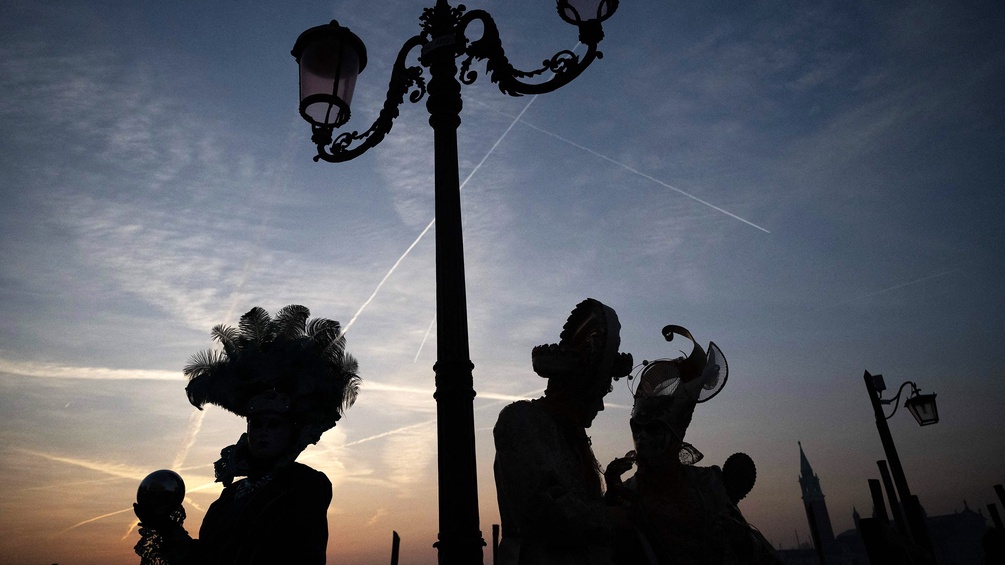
x=332, y=32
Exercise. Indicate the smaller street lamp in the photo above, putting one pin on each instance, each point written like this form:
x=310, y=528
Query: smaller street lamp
x=921, y=406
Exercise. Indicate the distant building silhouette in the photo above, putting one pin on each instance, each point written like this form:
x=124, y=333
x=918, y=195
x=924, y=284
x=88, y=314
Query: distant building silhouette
x=956, y=537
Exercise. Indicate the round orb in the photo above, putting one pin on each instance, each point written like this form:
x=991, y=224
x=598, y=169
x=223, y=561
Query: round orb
x=161, y=492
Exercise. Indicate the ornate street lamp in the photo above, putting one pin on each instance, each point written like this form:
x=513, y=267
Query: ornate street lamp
x=922, y=406
x=330, y=58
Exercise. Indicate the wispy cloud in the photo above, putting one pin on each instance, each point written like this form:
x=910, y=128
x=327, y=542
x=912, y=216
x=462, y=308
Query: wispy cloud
x=408, y=458
x=377, y=516
x=51, y=370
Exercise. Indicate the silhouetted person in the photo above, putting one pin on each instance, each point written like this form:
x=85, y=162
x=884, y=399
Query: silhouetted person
x=291, y=380
x=547, y=478
x=682, y=513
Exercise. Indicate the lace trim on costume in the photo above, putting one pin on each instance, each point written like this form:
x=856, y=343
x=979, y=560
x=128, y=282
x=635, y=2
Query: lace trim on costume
x=249, y=486
x=156, y=548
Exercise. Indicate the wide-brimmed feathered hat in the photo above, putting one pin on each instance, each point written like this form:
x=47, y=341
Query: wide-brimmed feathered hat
x=285, y=364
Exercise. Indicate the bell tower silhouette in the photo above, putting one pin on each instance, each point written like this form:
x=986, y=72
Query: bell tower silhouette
x=816, y=507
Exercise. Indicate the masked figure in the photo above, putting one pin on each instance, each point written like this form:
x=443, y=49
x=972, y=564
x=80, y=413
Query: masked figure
x=682, y=514
x=547, y=478
x=291, y=380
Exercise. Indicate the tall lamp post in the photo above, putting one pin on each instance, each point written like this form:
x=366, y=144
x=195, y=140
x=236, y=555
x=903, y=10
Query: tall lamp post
x=925, y=411
x=330, y=58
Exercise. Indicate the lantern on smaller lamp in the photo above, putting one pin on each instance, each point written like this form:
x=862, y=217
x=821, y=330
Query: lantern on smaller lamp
x=923, y=408
x=330, y=58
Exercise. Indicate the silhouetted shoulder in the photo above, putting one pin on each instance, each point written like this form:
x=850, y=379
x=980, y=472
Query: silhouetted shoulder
x=520, y=417
x=518, y=410
x=308, y=475
x=310, y=483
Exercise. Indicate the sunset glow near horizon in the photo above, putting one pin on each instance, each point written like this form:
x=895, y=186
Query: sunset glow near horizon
x=817, y=189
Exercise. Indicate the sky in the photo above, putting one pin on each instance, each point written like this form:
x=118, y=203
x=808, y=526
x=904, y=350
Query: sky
x=815, y=187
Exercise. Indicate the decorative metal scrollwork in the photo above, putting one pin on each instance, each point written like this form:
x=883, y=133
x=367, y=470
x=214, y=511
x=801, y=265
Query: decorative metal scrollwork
x=565, y=65
x=444, y=26
x=403, y=80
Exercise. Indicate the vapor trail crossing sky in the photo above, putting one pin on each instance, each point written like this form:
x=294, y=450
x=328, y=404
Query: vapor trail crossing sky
x=895, y=287
x=629, y=168
x=430, y=225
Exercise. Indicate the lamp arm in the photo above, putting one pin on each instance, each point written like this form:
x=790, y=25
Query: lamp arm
x=403, y=79
x=565, y=65
x=896, y=399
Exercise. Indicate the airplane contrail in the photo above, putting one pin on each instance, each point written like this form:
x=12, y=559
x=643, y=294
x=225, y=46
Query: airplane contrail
x=345, y=329
x=191, y=433
x=498, y=398
x=390, y=432
x=115, y=470
x=95, y=519
x=473, y=171
x=433, y=221
x=628, y=168
x=424, y=338
x=135, y=523
x=71, y=484
x=130, y=530
x=118, y=470
x=394, y=267
x=97, y=481
x=384, y=387
x=895, y=287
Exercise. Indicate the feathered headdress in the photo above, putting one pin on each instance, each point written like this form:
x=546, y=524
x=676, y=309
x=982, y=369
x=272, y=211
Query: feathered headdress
x=286, y=363
x=669, y=389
